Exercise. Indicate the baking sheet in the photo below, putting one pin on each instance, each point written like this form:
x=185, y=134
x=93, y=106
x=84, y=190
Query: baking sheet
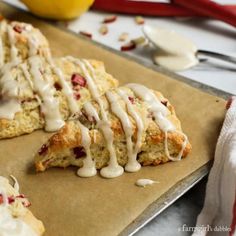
x=73, y=206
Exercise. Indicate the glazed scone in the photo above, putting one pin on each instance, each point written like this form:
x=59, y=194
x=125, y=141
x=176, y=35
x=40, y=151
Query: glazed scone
x=41, y=93
x=19, y=40
x=127, y=127
x=15, y=217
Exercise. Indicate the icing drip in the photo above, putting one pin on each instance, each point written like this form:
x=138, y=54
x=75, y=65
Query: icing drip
x=11, y=37
x=145, y=182
x=66, y=88
x=49, y=105
x=3, y=25
x=9, y=225
x=116, y=108
x=159, y=112
x=113, y=169
x=9, y=104
x=16, y=184
x=33, y=46
x=132, y=160
x=88, y=168
x=9, y=107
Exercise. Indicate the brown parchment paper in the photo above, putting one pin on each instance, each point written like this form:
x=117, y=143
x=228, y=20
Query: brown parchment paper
x=73, y=206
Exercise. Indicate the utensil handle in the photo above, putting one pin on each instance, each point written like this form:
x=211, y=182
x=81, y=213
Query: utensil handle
x=217, y=56
x=209, y=8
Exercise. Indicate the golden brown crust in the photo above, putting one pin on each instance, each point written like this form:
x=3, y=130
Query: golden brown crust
x=59, y=150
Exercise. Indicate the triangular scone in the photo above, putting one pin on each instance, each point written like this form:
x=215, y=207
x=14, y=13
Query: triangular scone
x=19, y=40
x=42, y=93
x=126, y=127
x=16, y=218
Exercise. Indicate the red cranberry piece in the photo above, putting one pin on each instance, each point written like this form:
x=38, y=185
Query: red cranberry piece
x=109, y=19
x=11, y=199
x=86, y=34
x=77, y=95
x=129, y=46
x=18, y=28
x=79, y=152
x=1, y=199
x=131, y=99
x=77, y=79
x=43, y=150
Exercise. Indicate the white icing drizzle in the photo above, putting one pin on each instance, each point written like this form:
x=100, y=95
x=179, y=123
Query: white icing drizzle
x=66, y=88
x=3, y=25
x=9, y=104
x=88, y=168
x=144, y=182
x=132, y=161
x=9, y=225
x=159, y=112
x=16, y=184
x=113, y=169
x=49, y=105
x=11, y=37
x=33, y=45
x=9, y=86
x=9, y=107
x=116, y=108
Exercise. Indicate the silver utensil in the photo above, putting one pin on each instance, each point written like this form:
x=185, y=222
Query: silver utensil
x=199, y=53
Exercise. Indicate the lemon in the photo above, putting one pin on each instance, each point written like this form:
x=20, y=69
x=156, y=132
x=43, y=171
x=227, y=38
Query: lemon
x=58, y=9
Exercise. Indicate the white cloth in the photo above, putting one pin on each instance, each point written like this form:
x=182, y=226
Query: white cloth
x=218, y=216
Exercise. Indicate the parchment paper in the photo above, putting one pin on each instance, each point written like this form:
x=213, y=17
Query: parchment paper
x=72, y=206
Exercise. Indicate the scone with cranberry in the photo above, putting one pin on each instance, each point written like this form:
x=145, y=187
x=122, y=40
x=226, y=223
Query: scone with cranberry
x=125, y=128
x=42, y=93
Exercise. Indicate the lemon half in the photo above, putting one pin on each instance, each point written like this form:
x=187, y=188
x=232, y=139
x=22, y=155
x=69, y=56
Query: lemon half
x=58, y=9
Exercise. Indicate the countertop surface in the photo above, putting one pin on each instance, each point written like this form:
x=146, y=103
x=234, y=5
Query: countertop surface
x=207, y=34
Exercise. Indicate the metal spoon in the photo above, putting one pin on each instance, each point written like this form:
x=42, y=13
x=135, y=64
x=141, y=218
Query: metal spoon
x=226, y=58
x=217, y=55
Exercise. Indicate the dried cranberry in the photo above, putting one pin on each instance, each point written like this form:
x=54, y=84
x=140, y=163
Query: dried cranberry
x=43, y=150
x=11, y=199
x=1, y=199
x=18, y=28
x=77, y=95
x=164, y=103
x=129, y=46
x=77, y=79
x=79, y=152
x=86, y=34
x=109, y=19
x=131, y=99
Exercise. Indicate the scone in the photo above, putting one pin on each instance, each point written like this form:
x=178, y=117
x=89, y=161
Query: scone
x=18, y=41
x=127, y=127
x=42, y=93
x=15, y=217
